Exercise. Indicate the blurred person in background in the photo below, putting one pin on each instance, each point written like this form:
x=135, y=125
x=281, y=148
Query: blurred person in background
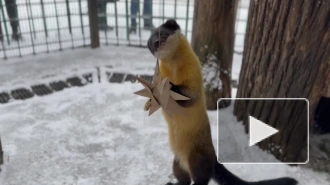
x=102, y=14
x=12, y=13
x=147, y=15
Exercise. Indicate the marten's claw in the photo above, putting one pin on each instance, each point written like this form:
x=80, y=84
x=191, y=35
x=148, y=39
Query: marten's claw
x=147, y=105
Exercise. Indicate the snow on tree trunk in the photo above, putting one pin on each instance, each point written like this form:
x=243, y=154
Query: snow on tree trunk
x=286, y=55
x=213, y=39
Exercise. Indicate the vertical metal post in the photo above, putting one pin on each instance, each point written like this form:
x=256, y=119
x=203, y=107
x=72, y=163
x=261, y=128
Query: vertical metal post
x=58, y=26
x=30, y=13
x=19, y=32
x=104, y=7
x=69, y=20
x=81, y=22
x=116, y=22
x=163, y=11
x=19, y=48
x=69, y=15
x=237, y=17
x=187, y=18
x=30, y=27
x=140, y=22
x=45, y=23
x=44, y=17
x=93, y=24
x=175, y=4
x=4, y=50
x=4, y=21
x=127, y=24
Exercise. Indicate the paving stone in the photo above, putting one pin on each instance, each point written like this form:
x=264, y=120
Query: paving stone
x=4, y=97
x=58, y=86
x=147, y=77
x=75, y=81
x=130, y=78
x=117, y=77
x=41, y=89
x=21, y=94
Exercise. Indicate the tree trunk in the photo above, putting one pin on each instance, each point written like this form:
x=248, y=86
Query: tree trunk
x=213, y=39
x=286, y=55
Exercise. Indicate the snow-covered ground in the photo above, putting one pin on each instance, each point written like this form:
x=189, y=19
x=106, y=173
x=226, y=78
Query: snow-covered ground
x=99, y=134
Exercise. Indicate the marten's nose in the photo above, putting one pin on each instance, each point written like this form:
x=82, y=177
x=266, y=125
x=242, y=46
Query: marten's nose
x=156, y=45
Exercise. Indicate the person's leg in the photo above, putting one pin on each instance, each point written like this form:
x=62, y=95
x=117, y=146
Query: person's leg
x=101, y=10
x=135, y=6
x=147, y=13
x=1, y=33
x=13, y=17
x=102, y=15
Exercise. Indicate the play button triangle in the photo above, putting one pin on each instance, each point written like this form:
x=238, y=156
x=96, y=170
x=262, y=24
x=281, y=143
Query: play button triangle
x=259, y=130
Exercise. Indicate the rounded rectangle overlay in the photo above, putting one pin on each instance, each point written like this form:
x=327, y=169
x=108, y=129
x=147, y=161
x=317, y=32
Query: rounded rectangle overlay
x=290, y=145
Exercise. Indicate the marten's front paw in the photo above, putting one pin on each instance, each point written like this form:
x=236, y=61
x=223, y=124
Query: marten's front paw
x=147, y=105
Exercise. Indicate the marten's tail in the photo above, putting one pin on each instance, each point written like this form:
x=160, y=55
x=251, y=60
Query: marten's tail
x=223, y=176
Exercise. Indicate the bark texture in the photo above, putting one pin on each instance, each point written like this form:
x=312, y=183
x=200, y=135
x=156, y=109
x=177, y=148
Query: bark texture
x=286, y=55
x=213, y=39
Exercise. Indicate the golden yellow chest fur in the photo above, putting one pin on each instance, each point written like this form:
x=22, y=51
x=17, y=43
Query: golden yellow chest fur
x=184, y=131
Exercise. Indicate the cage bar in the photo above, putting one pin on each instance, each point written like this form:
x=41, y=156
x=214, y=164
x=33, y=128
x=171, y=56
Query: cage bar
x=30, y=27
x=116, y=22
x=81, y=22
x=187, y=15
x=58, y=27
x=127, y=22
x=4, y=22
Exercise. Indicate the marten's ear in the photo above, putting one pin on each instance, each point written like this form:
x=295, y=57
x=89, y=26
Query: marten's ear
x=171, y=24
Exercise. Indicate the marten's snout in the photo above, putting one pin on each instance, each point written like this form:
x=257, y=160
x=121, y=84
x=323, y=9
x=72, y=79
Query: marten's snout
x=159, y=37
x=156, y=45
x=158, y=42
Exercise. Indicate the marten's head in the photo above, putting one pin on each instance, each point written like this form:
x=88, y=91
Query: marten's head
x=164, y=41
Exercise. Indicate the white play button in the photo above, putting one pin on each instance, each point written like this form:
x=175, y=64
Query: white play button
x=259, y=130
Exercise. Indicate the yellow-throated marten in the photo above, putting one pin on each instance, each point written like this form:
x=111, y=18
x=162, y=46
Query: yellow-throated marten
x=190, y=136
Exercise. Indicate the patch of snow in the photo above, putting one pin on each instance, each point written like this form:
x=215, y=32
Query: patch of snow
x=112, y=142
x=32, y=69
x=211, y=73
x=236, y=67
x=99, y=134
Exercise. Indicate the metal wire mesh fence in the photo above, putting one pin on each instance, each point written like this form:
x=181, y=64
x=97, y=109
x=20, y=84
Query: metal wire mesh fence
x=131, y=21
x=37, y=26
x=241, y=20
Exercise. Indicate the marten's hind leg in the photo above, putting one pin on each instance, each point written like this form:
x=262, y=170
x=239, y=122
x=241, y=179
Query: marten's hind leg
x=201, y=168
x=180, y=174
